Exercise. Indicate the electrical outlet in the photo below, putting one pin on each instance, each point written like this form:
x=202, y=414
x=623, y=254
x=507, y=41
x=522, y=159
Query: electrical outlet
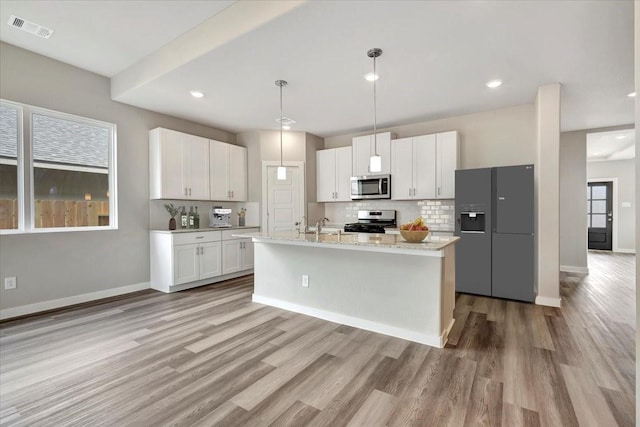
x=305, y=281
x=10, y=283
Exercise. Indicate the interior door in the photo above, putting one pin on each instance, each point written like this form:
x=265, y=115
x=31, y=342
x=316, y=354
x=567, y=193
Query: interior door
x=283, y=203
x=600, y=215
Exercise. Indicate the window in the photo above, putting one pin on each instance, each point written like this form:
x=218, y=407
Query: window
x=10, y=142
x=70, y=171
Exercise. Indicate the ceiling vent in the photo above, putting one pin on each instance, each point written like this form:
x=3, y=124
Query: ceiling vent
x=286, y=121
x=30, y=27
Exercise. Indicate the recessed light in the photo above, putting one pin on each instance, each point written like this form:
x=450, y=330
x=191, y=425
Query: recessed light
x=284, y=127
x=494, y=83
x=196, y=94
x=621, y=136
x=371, y=77
x=632, y=95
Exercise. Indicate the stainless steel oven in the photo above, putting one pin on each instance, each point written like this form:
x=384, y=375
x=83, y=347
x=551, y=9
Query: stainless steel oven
x=371, y=187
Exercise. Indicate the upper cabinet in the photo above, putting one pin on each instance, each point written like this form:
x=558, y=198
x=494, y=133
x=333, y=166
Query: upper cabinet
x=413, y=168
x=423, y=167
x=333, y=167
x=228, y=177
x=183, y=166
x=178, y=165
x=363, y=148
x=448, y=160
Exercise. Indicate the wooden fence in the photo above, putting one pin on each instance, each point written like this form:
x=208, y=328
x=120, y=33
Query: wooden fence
x=57, y=213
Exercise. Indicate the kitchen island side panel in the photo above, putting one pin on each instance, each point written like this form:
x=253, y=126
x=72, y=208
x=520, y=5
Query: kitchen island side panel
x=398, y=295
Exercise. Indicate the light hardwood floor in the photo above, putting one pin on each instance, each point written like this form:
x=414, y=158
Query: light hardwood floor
x=210, y=356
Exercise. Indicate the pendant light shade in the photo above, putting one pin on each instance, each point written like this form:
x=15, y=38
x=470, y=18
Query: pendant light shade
x=282, y=171
x=375, y=161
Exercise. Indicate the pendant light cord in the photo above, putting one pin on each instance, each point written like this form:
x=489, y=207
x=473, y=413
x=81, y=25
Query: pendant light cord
x=281, y=126
x=375, y=137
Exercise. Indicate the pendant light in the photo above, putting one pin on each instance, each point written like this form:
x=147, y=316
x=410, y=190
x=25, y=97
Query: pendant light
x=375, y=161
x=282, y=171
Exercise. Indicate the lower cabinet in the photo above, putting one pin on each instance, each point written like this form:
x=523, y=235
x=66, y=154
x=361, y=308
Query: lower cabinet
x=237, y=253
x=183, y=260
x=196, y=262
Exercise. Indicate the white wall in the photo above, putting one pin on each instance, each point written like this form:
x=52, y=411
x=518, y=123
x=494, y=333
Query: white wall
x=547, y=195
x=501, y=137
x=573, y=199
x=637, y=89
x=53, y=266
x=624, y=170
x=296, y=146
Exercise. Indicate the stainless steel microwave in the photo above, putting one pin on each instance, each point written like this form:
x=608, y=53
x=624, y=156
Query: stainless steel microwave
x=371, y=187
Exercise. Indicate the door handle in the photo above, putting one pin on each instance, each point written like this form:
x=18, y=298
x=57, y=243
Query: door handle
x=189, y=190
x=609, y=213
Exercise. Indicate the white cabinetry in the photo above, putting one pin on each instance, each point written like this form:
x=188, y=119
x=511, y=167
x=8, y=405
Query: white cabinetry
x=447, y=148
x=333, y=167
x=423, y=167
x=182, y=258
x=228, y=178
x=363, y=147
x=237, y=253
x=178, y=165
x=413, y=168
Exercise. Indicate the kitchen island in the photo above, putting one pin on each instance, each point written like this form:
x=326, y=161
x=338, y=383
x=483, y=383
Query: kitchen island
x=377, y=282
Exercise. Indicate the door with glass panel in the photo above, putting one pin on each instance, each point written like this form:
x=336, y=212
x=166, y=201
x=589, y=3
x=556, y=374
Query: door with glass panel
x=600, y=215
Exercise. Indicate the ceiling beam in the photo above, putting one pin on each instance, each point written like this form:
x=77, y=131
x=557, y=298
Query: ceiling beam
x=238, y=19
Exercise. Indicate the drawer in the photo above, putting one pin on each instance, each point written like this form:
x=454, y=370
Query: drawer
x=228, y=234
x=196, y=237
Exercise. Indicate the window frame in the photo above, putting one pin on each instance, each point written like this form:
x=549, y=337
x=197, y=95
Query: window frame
x=26, y=179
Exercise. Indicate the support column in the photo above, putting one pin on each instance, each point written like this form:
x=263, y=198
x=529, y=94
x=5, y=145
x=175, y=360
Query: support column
x=547, y=174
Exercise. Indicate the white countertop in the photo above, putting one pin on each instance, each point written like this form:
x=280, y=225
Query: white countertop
x=359, y=241
x=197, y=230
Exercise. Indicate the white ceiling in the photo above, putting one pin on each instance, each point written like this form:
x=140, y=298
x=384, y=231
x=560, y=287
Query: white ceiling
x=437, y=57
x=613, y=145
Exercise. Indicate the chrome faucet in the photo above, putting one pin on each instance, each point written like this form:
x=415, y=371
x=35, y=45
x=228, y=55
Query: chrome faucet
x=320, y=224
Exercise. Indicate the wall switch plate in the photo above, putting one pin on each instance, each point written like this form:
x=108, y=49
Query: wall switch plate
x=305, y=281
x=10, y=282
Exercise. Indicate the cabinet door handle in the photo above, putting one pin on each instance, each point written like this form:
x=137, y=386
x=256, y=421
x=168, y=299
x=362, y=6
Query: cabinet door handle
x=438, y=191
x=232, y=195
x=185, y=191
x=189, y=190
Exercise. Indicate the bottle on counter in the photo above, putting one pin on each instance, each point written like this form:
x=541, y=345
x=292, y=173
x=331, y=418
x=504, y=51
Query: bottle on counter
x=196, y=219
x=184, y=219
x=191, y=217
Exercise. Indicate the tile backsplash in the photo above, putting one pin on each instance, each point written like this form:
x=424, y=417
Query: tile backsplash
x=437, y=214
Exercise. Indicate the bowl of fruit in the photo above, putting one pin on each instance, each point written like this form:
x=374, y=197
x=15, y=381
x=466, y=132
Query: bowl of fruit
x=415, y=231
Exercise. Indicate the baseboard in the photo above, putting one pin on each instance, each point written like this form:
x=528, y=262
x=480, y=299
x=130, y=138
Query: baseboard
x=574, y=269
x=624, y=251
x=548, y=301
x=421, y=338
x=38, y=307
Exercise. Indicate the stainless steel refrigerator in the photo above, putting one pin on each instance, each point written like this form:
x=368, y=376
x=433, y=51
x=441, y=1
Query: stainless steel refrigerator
x=495, y=223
